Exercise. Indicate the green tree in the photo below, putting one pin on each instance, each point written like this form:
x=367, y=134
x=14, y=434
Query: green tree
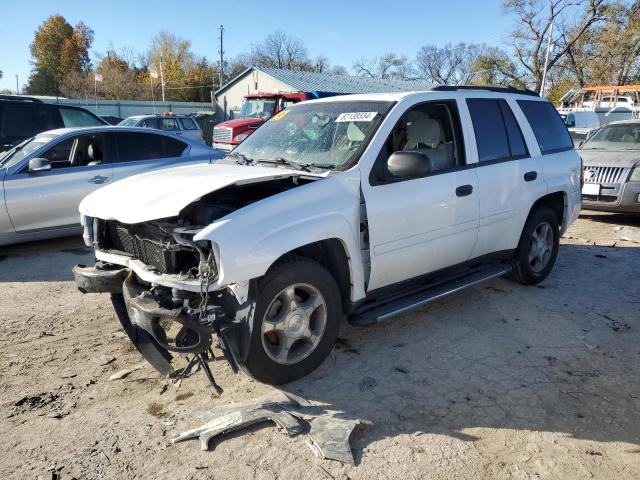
x=58, y=49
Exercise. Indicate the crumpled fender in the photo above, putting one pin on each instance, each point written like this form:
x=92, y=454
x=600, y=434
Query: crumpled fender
x=251, y=239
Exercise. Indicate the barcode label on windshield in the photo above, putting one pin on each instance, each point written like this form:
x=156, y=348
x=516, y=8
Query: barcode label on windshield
x=356, y=116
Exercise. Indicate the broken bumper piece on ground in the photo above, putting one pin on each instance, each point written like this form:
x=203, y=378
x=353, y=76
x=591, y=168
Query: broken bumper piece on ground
x=328, y=435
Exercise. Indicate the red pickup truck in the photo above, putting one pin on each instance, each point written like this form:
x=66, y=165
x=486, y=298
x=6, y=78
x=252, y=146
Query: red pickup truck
x=256, y=109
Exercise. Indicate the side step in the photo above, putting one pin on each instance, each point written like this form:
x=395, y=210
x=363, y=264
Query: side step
x=384, y=311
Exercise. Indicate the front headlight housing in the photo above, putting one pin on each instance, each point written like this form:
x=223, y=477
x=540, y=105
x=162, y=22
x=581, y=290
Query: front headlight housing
x=241, y=137
x=635, y=174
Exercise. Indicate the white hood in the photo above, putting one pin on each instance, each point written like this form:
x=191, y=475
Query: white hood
x=164, y=193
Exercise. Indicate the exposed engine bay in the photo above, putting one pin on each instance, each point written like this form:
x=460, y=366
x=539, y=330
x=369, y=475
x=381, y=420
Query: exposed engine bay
x=149, y=310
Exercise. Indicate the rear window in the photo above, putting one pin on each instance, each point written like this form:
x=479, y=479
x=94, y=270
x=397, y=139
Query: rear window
x=23, y=121
x=188, y=124
x=78, y=118
x=548, y=128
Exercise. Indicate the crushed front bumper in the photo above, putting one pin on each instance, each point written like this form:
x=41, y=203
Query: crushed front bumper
x=144, y=316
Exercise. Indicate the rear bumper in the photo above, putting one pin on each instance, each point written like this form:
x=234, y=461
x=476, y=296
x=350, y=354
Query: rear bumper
x=628, y=200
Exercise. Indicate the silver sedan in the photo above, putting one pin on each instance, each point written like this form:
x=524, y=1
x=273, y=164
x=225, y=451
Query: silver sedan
x=44, y=178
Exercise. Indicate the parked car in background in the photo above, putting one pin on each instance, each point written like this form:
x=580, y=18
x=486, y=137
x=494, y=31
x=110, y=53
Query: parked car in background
x=256, y=109
x=23, y=117
x=358, y=207
x=580, y=124
x=611, y=168
x=111, y=120
x=180, y=125
x=44, y=178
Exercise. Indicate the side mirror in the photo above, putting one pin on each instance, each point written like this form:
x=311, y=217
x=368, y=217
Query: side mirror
x=39, y=165
x=408, y=165
x=571, y=122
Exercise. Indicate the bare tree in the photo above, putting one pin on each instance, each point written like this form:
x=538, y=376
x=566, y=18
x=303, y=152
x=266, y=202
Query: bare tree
x=280, y=50
x=388, y=66
x=339, y=70
x=450, y=64
x=571, y=19
x=320, y=64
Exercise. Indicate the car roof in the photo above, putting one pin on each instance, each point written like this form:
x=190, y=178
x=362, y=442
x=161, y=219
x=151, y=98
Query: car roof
x=438, y=93
x=111, y=128
x=157, y=115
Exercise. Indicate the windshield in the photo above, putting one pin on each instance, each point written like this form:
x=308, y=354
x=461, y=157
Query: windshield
x=615, y=137
x=324, y=135
x=20, y=151
x=129, y=122
x=258, y=108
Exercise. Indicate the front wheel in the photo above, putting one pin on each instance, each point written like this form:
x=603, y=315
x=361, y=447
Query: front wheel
x=538, y=247
x=296, y=322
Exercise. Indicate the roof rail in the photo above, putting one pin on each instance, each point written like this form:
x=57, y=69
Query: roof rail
x=20, y=98
x=453, y=88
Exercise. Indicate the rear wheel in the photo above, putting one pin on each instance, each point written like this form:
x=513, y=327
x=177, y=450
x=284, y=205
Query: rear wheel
x=538, y=247
x=297, y=318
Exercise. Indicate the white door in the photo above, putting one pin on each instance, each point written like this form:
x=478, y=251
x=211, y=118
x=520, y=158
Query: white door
x=421, y=225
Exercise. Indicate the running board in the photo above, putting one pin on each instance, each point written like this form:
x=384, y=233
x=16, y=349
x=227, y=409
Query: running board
x=385, y=311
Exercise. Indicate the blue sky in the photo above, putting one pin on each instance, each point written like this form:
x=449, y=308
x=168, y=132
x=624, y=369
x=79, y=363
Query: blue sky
x=342, y=30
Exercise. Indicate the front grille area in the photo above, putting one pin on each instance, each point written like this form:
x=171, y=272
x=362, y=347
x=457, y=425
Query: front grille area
x=602, y=174
x=222, y=134
x=151, y=246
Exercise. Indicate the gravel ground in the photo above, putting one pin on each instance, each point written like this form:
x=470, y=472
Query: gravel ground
x=502, y=381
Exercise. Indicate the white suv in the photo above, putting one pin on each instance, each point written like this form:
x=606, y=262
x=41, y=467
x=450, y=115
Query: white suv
x=356, y=207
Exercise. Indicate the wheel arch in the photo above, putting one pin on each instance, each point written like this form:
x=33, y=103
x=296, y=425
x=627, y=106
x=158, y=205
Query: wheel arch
x=557, y=202
x=332, y=254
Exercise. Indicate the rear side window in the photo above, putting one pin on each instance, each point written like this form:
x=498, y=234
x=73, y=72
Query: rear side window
x=78, y=118
x=491, y=135
x=548, y=128
x=514, y=135
x=23, y=121
x=188, y=124
x=146, y=146
x=498, y=135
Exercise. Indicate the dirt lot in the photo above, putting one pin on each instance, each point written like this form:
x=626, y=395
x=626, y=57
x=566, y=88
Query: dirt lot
x=502, y=381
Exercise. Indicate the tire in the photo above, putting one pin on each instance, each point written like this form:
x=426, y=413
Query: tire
x=542, y=222
x=275, y=325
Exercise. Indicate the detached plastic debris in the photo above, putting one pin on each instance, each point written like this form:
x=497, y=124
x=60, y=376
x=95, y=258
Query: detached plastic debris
x=329, y=435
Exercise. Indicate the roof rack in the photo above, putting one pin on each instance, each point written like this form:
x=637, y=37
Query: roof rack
x=453, y=88
x=20, y=98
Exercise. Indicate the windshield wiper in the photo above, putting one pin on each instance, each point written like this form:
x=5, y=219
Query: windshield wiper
x=242, y=158
x=283, y=161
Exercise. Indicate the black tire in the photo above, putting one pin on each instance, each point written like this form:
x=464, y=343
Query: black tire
x=289, y=271
x=522, y=270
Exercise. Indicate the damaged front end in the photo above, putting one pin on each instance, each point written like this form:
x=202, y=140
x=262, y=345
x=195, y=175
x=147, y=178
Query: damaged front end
x=161, y=283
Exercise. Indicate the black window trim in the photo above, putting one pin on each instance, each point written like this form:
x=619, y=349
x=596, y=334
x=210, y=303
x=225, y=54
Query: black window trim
x=554, y=150
x=510, y=158
x=375, y=180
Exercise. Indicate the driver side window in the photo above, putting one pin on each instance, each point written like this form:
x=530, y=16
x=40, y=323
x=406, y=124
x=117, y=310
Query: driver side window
x=430, y=129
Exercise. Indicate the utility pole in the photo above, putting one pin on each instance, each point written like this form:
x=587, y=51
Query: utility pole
x=162, y=76
x=221, y=51
x=17, y=88
x=546, y=61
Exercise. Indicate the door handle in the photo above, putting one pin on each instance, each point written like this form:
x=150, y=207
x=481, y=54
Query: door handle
x=530, y=176
x=464, y=190
x=98, y=179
